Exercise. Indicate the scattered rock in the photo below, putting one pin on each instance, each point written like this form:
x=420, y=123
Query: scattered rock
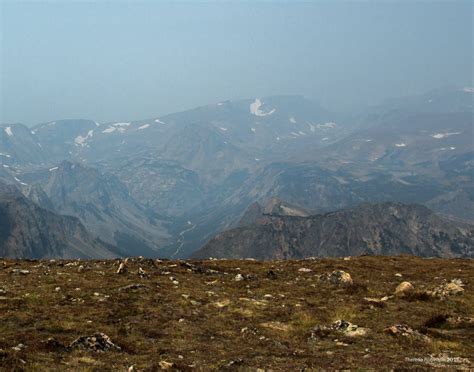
x=20, y=271
x=337, y=277
x=403, y=330
x=122, y=268
x=339, y=326
x=99, y=342
x=379, y=302
x=234, y=362
x=304, y=270
x=398, y=275
x=165, y=365
x=142, y=273
x=249, y=331
x=404, y=288
x=198, y=269
x=18, y=347
x=223, y=303
x=454, y=287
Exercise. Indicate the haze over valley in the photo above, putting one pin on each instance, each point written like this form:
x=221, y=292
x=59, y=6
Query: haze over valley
x=164, y=186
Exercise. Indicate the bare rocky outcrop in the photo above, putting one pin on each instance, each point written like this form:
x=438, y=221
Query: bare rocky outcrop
x=98, y=342
x=337, y=277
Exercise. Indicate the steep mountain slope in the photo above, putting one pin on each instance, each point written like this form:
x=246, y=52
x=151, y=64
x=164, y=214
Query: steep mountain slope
x=28, y=231
x=382, y=229
x=206, y=151
x=159, y=185
x=19, y=146
x=104, y=205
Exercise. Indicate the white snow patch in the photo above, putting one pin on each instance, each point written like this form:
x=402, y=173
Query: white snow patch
x=443, y=135
x=144, y=126
x=220, y=103
x=292, y=120
x=325, y=139
x=302, y=133
x=368, y=140
x=403, y=182
x=295, y=134
x=253, y=129
x=312, y=128
x=159, y=121
x=82, y=141
x=8, y=130
x=452, y=148
x=468, y=90
x=326, y=125
x=5, y=166
x=109, y=130
x=6, y=155
x=257, y=159
x=255, y=108
x=223, y=129
x=121, y=124
x=53, y=169
x=400, y=144
x=21, y=183
x=96, y=124
x=278, y=138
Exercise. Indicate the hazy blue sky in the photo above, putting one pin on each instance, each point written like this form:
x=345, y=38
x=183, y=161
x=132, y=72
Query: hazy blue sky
x=131, y=60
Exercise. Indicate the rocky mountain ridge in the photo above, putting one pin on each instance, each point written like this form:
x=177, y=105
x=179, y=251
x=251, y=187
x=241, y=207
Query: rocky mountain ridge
x=375, y=229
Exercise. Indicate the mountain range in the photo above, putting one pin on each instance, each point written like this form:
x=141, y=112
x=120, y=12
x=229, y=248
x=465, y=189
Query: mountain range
x=374, y=229
x=166, y=185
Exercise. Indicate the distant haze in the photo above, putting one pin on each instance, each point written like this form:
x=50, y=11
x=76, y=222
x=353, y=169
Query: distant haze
x=129, y=60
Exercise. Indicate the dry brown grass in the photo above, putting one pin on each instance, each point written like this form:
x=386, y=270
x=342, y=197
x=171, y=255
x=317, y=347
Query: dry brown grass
x=220, y=323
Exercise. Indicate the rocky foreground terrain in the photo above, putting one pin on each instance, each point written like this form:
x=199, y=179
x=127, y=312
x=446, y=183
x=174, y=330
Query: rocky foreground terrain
x=143, y=314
